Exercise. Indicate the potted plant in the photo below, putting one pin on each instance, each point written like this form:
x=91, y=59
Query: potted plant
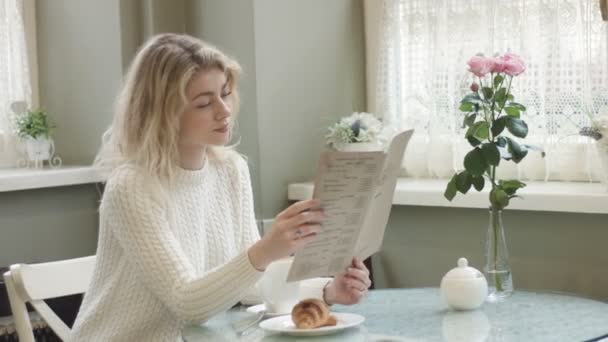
x=490, y=112
x=598, y=131
x=357, y=132
x=35, y=128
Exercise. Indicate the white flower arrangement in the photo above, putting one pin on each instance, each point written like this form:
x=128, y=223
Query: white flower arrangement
x=598, y=130
x=356, y=128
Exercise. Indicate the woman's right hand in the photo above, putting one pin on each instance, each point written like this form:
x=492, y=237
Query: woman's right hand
x=293, y=228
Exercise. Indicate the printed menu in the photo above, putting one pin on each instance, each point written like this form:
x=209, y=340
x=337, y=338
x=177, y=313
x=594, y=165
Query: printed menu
x=356, y=191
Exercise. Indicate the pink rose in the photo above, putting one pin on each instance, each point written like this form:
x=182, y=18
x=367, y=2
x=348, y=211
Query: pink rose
x=514, y=64
x=474, y=87
x=499, y=65
x=480, y=65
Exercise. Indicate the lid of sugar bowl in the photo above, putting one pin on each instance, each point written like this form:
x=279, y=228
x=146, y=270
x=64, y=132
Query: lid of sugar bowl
x=463, y=271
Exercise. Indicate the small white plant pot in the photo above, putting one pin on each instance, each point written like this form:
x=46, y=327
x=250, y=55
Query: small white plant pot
x=359, y=147
x=39, y=149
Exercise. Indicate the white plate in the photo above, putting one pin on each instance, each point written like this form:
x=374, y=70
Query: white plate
x=261, y=307
x=284, y=324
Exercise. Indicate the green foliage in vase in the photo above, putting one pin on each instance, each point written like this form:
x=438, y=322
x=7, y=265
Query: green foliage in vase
x=490, y=110
x=35, y=124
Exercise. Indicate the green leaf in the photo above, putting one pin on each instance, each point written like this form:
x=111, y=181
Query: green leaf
x=464, y=181
x=34, y=124
x=469, y=132
x=480, y=130
x=510, y=97
x=475, y=163
x=487, y=92
x=517, y=127
x=498, y=80
x=472, y=97
x=499, y=125
x=474, y=142
x=517, y=151
x=491, y=153
x=537, y=149
x=501, y=95
x=469, y=120
x=518, y=106
x=478, y=183
x=451, y=190
x=466, y=107
x=512, y=112
x=501, y=141
x=505, y=154
x=511, y=186
x=499, y=198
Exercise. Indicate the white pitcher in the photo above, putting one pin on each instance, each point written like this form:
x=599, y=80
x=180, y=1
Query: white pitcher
x=279, y=296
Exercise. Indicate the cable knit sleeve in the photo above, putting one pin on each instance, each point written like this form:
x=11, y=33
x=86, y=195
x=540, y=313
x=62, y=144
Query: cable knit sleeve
x=142, y=228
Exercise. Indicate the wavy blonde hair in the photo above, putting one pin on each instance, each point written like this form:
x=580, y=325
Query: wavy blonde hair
x=145, y=128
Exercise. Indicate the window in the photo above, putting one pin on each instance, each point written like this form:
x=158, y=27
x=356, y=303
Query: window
x=17, y=68
x=422, y=54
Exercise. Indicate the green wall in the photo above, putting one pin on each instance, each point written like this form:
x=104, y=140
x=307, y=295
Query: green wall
x=309, y=57
x=48, y=224
x=80, y=67
x=548, y=250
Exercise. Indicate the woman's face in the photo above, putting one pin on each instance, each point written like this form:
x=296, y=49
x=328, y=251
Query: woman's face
x=206, y=118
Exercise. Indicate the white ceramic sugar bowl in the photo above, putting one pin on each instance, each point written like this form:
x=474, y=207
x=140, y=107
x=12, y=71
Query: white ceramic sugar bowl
x=464, y=287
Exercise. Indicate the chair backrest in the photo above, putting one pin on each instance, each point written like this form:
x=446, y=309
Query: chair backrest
x=36, y=282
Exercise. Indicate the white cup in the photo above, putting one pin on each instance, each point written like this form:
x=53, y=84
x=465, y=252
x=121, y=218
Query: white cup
x=279, y=296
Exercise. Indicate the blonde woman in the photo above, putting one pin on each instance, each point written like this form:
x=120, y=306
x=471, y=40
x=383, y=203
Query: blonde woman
x=178, y=241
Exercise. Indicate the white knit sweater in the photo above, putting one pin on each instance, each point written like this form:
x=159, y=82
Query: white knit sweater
x=164, y=260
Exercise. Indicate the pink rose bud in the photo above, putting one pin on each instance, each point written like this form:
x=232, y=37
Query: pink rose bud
x=474, y=87
x=514, y=64
x=480, y=65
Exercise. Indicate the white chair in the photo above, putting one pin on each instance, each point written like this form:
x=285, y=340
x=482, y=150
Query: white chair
x=36, y=282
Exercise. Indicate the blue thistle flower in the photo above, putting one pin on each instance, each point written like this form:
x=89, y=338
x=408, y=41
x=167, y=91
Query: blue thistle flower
x=356, y=128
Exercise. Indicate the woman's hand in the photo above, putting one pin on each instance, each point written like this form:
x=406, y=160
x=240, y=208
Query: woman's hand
x=350, y=286
x=292, y=229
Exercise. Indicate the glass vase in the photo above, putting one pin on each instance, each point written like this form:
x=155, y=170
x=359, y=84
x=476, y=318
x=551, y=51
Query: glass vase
x=497, y=268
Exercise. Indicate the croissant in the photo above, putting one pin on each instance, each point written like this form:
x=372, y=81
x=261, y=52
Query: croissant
x=312, y=313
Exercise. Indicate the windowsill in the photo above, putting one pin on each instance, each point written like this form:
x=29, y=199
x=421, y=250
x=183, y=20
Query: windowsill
x=24, y=179
x=576, y=197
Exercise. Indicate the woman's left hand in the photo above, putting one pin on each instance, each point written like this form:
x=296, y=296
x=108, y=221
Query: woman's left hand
x=350, y=286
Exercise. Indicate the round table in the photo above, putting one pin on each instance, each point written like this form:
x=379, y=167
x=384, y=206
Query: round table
x=421, y=315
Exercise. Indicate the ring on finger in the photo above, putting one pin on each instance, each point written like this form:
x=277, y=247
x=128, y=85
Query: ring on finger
x=298, y=233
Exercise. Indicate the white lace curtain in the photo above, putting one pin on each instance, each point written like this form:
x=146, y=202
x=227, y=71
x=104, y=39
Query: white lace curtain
x=15, y=82
x=422, y=75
